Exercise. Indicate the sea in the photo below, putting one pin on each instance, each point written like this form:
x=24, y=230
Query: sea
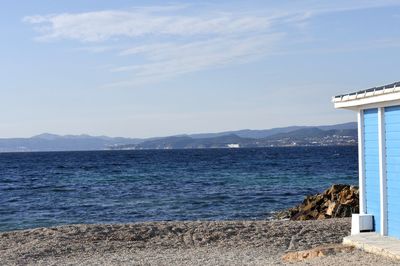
x=42, y=189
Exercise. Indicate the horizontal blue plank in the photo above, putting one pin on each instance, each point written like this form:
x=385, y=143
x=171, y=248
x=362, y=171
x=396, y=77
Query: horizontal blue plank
x=371, y=146
x=393, y=170
x=393, y=210
x=392, y=152
x=393, y=189
x=393, y=139
x=393, y=216
x=394, y=115
x=392, y=148
x=371, y=134
x=392, y=161
x=372, y=174
x=392, y=127
x=371, y=164
x=392, y=167
x=392, y=121
x=394, y=201
x=371, y=125
x=371, y=158
x=371, y=151
x=372, y=177
x=371, y=143
x=370, y=138
x=393, y=183
x=371, y=130
x=394, y=232
x=373, y=208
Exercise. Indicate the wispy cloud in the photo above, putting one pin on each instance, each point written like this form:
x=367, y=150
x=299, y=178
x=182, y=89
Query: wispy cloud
x=167, y=60
x=166, y=41
x=105, y=25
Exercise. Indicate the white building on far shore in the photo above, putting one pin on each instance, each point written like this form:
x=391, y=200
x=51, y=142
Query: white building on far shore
x=233, y=145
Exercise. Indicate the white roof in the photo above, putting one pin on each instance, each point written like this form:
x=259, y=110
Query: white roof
x=377, y=96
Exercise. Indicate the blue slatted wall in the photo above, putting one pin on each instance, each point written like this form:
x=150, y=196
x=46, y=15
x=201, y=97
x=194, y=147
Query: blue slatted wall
x=392, y=132
x=371, y=159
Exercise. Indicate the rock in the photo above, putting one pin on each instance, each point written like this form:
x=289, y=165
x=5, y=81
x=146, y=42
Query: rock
x=335, y=202
x=331, y=208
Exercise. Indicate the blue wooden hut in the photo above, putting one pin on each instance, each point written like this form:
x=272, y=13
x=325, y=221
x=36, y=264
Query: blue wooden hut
x=378, y=112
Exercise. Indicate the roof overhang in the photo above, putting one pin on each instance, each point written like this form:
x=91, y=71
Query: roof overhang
x=371, y=98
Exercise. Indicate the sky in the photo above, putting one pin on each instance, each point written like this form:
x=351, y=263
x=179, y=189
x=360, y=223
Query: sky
x=156, y=68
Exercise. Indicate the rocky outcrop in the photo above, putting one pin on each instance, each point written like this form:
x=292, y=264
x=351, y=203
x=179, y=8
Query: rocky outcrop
x=336, y=202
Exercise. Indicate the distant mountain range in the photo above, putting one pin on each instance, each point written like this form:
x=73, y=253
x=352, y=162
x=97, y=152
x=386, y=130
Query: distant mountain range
x=51, y=142
x=341, y=134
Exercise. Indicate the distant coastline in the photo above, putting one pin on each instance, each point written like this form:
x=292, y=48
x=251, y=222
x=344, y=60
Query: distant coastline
x=294, y=136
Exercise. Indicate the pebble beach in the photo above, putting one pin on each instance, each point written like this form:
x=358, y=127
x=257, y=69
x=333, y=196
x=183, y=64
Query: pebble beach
x=181, y=243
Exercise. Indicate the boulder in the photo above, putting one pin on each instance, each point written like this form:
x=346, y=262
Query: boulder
x=335, y=202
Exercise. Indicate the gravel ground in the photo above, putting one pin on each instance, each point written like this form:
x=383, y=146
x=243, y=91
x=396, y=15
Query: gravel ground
x=180, y=243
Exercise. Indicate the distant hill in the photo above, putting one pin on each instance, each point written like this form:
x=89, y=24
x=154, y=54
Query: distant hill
x=341, y=134
x=52, y=142
x=248, y=133
x=313, y=132
x=263, y=133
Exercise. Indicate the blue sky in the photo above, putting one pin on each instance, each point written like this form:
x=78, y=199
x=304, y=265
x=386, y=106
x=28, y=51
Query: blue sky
x=153, y=68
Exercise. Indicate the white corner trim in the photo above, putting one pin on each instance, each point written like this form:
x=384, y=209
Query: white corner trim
x=361, y=162
x=382, y=169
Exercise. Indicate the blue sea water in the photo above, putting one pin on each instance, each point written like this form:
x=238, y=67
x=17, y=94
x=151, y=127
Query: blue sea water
x=54, y=188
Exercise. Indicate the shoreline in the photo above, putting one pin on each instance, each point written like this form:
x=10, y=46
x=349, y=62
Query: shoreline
x=172, y=243
x=177, y=149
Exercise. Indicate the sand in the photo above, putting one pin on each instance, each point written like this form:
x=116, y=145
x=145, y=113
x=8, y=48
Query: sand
x=180, y=243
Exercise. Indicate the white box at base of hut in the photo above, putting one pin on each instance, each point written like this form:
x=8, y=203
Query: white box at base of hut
x=361, y=223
